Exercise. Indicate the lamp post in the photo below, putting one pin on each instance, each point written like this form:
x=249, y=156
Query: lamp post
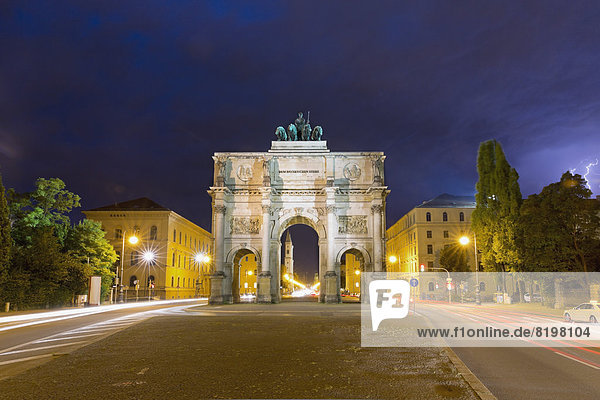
x=132, y=240
x=148, y=256
x=465, y=241
x=201, y=259
x=392, y=260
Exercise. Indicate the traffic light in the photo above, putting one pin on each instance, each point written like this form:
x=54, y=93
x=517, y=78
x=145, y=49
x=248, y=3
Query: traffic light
x=449, y=283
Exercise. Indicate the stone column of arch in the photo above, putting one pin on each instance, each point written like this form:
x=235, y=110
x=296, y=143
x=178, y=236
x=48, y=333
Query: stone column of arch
x=218, y=277
x=264, y=278
x=377, y=237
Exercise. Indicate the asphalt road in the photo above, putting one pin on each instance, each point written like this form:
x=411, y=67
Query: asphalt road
x=288, y=350
x=541, y=371
x=30, y=339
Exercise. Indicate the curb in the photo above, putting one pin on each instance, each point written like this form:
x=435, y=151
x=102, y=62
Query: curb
x=478, y=387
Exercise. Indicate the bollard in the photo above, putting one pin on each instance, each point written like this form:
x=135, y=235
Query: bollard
x=7, y=307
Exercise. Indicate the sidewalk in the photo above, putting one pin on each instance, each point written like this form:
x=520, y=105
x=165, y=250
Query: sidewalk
x=297, y=350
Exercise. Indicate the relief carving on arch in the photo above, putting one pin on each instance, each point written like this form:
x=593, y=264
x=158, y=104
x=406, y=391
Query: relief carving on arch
x=245, y=225
x=352, y=224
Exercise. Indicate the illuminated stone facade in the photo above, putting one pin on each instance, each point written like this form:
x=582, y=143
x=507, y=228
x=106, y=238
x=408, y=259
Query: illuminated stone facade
x=256, y=196
x=175, y=241
x=418, y=237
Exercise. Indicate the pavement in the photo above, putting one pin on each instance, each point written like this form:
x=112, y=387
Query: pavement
x=287, y=350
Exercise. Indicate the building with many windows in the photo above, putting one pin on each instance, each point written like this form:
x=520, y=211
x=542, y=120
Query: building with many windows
x=172, y=257
x=418, y=237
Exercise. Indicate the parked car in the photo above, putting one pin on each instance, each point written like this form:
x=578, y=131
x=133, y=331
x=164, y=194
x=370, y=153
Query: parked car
x=585, y=312
x=536, y=298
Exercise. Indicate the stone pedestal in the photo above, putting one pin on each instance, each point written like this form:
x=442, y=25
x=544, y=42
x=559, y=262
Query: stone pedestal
x=264, y=287
x=216, y=288
x=332, y=291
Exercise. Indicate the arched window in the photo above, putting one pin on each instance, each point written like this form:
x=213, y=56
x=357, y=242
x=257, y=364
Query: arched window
x=482, y=286
x=133, y=281
x=461, y=216
x=431, y=287
x=118, y=233
x=428, y=217
x=445, y=216
x=153, y=232
x=150, y=279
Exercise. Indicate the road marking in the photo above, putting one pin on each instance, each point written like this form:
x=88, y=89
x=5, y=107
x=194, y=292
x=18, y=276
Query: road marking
x=575, y=359
x=67, y=338
x=41, y=348
x=25, y=359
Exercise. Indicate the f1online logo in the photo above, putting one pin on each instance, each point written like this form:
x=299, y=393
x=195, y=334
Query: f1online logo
x=389, y=299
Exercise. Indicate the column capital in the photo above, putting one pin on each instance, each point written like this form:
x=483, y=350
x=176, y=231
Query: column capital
x=266, y=209
x=377, y=208
x=331, y=209
x=219, y=209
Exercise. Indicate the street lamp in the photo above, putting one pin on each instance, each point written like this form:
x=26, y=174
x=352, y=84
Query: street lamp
x=393, y=260
x=464, y=240
x=148, y=256
x=133, y=240
x=201, y=259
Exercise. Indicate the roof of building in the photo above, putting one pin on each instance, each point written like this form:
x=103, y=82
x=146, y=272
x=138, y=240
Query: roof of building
x=449, y=201
x=141, y=204
x=288, y=238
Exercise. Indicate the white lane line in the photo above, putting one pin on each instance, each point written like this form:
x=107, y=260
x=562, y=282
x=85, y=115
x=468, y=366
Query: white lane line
x=41, y=348
x=67, y=338
x=579, y=361
x=25, y=359
x=93, y=329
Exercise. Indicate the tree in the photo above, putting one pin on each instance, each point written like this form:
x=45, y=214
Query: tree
x=455, y=258
x=47, y=206
x=43, y=274
x=560, y=227
x=496, y=216
x=87, y=243
x=5, y=238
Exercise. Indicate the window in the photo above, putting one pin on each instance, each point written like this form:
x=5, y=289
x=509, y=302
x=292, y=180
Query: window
x=246, y=258
x=172, y=281
x=429, y=264
x=428, y=217
x=429, y=234
x=429, y=249
x=461, y=216
x=179, y=262
x=153, y=232
x=174, y=235
x=133, y=280
x=118, y=233
x=173, y=261
x=177, y=281
x=445, y=216
x=185, y=240
x=431, y=287
x=179, y=237
x=133, y=257
x=150, y=279
x=446, y=235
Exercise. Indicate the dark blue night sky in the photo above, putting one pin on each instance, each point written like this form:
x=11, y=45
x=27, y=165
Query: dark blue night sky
x=124, y=99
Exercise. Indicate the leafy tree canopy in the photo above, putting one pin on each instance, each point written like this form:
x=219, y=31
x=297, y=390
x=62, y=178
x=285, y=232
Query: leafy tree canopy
x=47, y=206
x=560, y=227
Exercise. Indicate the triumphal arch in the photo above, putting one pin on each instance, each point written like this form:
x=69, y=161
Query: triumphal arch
x=256, y=196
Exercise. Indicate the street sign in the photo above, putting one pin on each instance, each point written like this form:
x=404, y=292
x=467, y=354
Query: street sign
x=414, y=282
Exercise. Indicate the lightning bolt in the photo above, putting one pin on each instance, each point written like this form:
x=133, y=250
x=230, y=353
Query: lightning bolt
x=587, y=169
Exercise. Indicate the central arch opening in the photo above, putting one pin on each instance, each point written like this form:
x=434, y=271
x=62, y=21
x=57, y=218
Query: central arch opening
x=299, y=263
